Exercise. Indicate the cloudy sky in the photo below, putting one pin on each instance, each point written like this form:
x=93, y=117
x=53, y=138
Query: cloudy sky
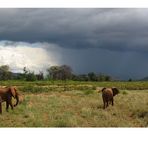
x=110, y=41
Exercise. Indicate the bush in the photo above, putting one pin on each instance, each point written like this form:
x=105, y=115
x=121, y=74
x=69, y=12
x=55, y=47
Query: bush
x=34, y=89
x=31, y=76
x=124, y=92
x=87, y=92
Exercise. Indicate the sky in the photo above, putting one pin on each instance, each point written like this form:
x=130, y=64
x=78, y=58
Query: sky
x=100, y=40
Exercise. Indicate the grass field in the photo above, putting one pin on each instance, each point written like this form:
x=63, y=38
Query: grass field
x=77, y=104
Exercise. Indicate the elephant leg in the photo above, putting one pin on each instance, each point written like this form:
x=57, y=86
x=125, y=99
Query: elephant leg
x=11, y=105
x=10, y=102
x=104, y=105
x=107, y=103
x=7, y=105
x=0, y=108
x=112, y=102
x=104, y=102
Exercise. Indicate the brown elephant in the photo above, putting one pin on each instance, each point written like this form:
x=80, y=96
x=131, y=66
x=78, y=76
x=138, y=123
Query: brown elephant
x=6, y=94
x=108, y=94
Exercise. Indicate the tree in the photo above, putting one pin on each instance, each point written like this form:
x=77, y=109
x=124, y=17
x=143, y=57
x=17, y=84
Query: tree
x=40, y=76
x=103, y=77
x=59, y=72
x=92, y=76
x=107, y=78
x=82, y=77
x=53, y=72
x=5, y=73
x=25, y=70
x=66, y=72
x=29, y=75
x=130, y=79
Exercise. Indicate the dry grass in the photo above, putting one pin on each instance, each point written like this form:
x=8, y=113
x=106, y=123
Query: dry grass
x=78, y=108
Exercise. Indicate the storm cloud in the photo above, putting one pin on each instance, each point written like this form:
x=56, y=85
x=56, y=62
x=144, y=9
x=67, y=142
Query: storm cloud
x=111, y=41
x=34, y=57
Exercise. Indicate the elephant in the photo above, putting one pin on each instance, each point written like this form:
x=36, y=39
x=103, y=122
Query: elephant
x=108, y=94
x=6, y=94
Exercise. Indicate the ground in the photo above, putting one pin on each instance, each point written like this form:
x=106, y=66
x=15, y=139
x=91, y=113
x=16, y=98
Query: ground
x=77, y=108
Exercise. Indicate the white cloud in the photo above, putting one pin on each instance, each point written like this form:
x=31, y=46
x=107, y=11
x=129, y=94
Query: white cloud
x=34, y=56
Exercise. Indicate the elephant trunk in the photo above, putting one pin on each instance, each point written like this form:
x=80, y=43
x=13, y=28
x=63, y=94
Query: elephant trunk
x=14, y=94
x=17, y=100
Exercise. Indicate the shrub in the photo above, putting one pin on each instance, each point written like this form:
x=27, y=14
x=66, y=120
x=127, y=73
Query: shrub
x=124, y=92
x=34, y=89
x=31, y=76
x=87, y=92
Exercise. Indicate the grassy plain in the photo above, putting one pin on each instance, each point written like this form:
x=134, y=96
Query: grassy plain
x=76, y=104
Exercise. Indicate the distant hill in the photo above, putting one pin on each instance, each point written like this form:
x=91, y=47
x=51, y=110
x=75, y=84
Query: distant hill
x=144, y=79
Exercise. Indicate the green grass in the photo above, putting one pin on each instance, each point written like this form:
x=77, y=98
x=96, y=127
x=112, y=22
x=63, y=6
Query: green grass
x=74, y=85
x=48, y=105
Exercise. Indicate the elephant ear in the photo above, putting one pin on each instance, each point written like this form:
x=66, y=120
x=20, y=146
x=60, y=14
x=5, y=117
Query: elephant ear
x=115, y=91
x=13, y=91
x=103, y=89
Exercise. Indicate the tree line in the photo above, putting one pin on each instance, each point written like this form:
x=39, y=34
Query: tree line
x=63, y=72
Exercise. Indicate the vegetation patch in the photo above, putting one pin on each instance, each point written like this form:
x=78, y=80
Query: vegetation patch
x=45, y=104
x=124, y=92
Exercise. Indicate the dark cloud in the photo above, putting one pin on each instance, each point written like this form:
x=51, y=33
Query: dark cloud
x=122, y=65
x=98, y=40
x=112, y=29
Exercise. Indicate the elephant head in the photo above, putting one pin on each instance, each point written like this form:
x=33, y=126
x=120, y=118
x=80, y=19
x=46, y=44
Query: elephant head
x=15, y=94
x=115, y=91
x=6, y=95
